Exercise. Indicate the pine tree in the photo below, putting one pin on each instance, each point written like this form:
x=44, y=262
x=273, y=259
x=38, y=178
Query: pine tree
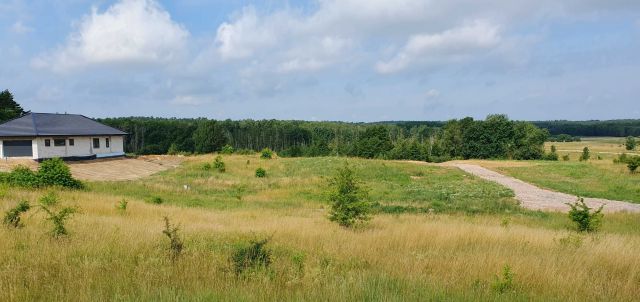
x=9, y=109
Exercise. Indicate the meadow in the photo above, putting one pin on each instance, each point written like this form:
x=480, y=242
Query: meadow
x=438, y=234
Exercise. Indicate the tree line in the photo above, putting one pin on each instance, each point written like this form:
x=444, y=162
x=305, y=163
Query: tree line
x=494, y=137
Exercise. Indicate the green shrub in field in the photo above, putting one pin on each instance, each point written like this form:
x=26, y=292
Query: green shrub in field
x=156, y=200
x=630, y=143
x=58, y=218
x=253, y=255
x=585, y=154
x=266, y=153
x=504, y=283
x=54, y=172
x=122, y=205
x=206, y=167
x=633, y=163
x=23, y=177
x=584, y=218
x=12, y=217
x=173, y=149
x=348, y=198
x=261, y=173
x=553, y=155
x=227, y=149
x=219, y=165
x=565, y=157
x=621, y=159
x=175, y=243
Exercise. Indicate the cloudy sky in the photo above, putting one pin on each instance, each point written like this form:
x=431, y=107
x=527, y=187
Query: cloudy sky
x=351, y=60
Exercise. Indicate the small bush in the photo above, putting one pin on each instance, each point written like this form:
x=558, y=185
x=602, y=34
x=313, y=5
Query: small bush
x=219, y=165
x=630, y=143
x=266, y=153
x=584, y=218
x=122, y=205
x=156, y=200
x=553, y=155
x=621, y=159
x=173, y=149
x=23, y=177
x=206, y=167
x=251, y=256
x=565, y=157
x=175, y=243
x=58, y=218
x=585, y=154
x=348, y=198
x=261, y=173
x=12, y=217
x=227, y=149
x=504, y=283
x=54, y=172
x=633, y=163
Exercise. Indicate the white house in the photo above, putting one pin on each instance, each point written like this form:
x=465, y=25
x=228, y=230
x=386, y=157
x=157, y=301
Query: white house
x=69, y=136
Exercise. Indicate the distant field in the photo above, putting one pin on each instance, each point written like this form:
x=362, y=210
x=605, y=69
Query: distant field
x=454, y=253
x=596, y=178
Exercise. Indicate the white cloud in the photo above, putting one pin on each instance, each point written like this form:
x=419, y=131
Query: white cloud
x=451, y=45
x=20, y=28
x=432, y=94
x=189, y=100
x=128, y=32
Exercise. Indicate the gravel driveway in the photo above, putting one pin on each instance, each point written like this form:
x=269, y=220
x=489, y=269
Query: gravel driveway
x=532, y=197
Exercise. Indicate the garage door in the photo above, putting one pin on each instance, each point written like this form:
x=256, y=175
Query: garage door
x=17, y=148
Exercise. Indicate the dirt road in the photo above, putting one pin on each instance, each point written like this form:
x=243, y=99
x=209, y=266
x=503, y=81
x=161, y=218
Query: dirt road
x=532, y=197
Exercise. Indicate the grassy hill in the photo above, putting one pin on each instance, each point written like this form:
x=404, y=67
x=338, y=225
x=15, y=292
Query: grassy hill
x=439, y=234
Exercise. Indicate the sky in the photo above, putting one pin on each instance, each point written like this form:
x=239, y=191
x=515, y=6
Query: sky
x=347, y=60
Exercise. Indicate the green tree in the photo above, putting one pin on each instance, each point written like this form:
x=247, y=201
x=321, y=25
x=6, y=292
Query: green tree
x=630, y=143
x=208, y=137
x=374, y=142
x=9, y=109
x=348, y=198
x=585, y=154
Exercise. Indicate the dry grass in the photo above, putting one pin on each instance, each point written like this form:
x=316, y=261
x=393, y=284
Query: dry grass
x=114, y=256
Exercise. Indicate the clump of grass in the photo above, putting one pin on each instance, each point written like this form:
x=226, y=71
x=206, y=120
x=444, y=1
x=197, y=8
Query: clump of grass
x=251, y=256
x=175, y=243
x=12, y=217
x=219, y=165
x=122, y=205
x=504, y=283
x=584, y=218
x=261, y=173
x=156, y=200
x=58, y=218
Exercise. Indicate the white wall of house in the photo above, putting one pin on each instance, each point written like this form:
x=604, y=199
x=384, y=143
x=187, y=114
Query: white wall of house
x=83, y=146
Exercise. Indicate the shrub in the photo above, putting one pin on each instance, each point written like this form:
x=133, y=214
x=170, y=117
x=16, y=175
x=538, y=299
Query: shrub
x=206, y=167
x=227, y=149
x=504, y=283
x=54, y=172
x=12, y=217
x=633, y=163
x=585, y=219
x=23, y=177
x=553, y=155
x=565, y=157
x=621, y=159
x=261, y=173
x=122, y=205
x=156, y=200
x=348, y=198
x=175, y=243
x=266, y=153
x=219, y=165
x=630, y=143
x=58, y=218
x=173, y=149
x=253, y=255
x=585, y=154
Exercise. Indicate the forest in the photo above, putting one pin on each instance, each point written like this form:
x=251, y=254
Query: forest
x=494, y=137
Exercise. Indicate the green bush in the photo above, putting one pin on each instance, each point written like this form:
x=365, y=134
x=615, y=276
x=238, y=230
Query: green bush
x=54, y=172
x=504, y=283
x=219, y=165
x=173, y=149
x=253, y=255
x=227, y=149
x=122, y=205
x=584, y=218
x=206, y=167
x=49, y=203
x=585, y=154
x=621, y=159
x=23, y=177
x=553, y=155
x=175, y=243
x=348, y=199
x=633, y=163
x=12, y=217
x=156, y=200
x=260, y=173
x=266, y=153
x=565, y=157
x=630, y=143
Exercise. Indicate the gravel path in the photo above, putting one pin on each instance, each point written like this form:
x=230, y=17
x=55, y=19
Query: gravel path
x=532, y=197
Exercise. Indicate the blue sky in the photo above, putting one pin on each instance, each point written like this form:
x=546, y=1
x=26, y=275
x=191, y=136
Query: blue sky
x=350, y=60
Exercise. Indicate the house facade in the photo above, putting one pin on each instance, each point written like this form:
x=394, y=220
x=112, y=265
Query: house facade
x=69, y=136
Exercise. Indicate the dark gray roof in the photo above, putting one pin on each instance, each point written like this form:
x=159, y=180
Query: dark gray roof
x=54, y=124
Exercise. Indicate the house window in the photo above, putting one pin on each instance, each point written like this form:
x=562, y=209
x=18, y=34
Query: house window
x=47, y=143
x=106, y=142
x=71, y=142
x=96, y=143
x=59, y=142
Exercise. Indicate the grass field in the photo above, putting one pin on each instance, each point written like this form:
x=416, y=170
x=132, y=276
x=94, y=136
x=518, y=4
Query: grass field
x=456, y=252
x=599, y=178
